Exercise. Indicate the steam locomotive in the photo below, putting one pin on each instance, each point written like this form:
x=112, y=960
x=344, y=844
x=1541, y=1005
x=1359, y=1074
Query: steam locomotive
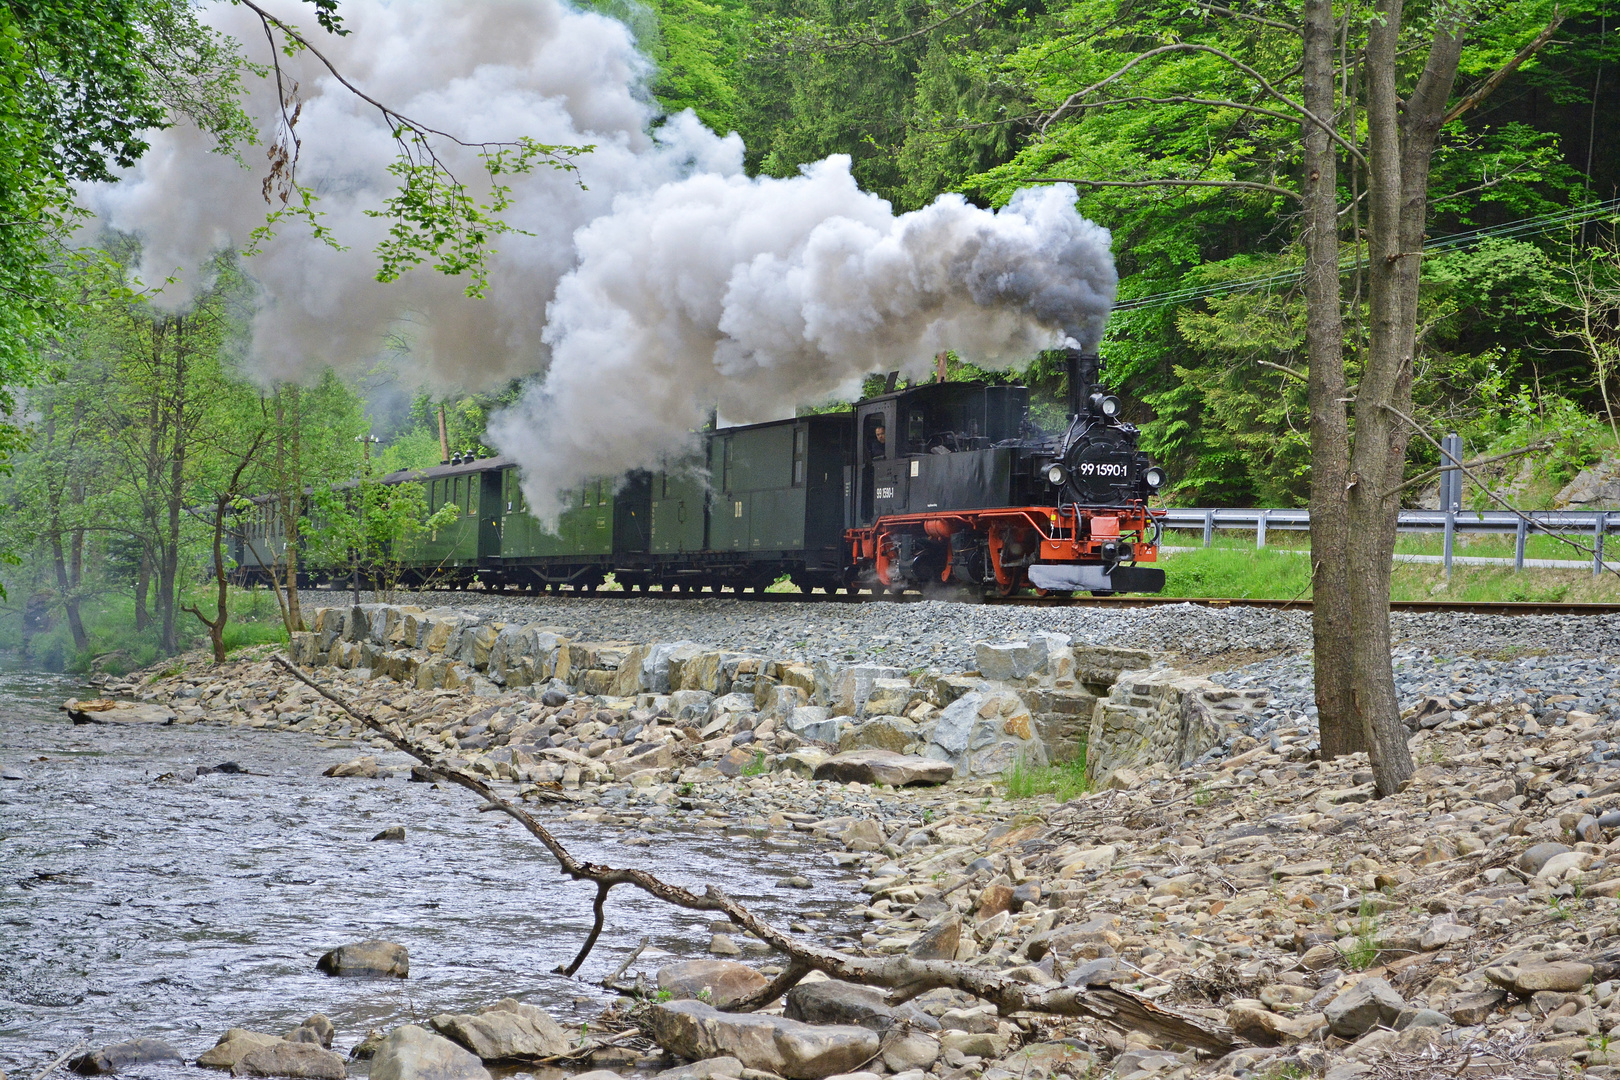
x=943, y=485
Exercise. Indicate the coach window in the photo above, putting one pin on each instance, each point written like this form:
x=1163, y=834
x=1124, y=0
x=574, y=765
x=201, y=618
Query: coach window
x=801, y=440
x=726, y=458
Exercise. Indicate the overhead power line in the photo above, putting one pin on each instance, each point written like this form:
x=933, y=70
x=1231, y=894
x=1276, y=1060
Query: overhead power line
x=1531, y=226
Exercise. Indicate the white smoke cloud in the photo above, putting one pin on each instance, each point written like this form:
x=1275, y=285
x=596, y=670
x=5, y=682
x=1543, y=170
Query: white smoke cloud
x=491, y=69
x=667, y=285
x=755, y=295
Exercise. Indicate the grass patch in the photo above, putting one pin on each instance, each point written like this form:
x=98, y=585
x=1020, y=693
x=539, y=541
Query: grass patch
x=1361, y=955
x=1279, y=573
x=1066, y=781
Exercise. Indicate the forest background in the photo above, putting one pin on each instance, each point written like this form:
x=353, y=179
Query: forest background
x=127, y=418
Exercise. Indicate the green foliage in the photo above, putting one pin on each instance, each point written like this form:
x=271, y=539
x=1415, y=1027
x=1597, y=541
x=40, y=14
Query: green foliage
x=1364, y=953
x=1065, y=781
x=436, y=217
x=758, y=767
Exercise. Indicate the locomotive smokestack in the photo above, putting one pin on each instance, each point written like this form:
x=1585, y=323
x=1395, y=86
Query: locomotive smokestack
x=1084, y=370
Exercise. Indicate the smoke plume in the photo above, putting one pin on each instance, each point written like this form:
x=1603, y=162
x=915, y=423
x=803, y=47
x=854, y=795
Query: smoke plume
x=666, y=286
x=755, y=295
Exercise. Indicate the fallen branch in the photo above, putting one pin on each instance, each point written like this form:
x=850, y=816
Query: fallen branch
x=63, y=1056
x=904, y=974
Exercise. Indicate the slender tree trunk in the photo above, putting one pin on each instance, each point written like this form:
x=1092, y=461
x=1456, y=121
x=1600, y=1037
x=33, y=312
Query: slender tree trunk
x=1330, y=435
x=169, y=558
x=222, y=505
x=290, y=481
x=1401, y=142
x=143, y=585
x=59, y=562
x=70, y=596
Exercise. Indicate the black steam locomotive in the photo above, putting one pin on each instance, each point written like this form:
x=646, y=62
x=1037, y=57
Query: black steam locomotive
x=934, y=485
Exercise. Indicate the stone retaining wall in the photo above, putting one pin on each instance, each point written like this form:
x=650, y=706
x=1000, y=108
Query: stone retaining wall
x=1037, y=701
x=1161, y=717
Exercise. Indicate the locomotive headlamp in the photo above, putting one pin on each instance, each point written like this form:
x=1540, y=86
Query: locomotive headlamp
x=1056, y=474
x=1105, y=404
x=1154, y=477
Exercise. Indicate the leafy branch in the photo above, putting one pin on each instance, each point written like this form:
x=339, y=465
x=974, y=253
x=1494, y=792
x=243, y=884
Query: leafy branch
x=436, y=216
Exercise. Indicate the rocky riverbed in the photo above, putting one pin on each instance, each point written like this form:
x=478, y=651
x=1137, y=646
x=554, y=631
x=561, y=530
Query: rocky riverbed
x=1467, y=926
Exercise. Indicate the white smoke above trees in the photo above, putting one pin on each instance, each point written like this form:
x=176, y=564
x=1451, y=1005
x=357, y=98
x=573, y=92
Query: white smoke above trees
x=668, y=285
x=755, y=295
x=491, y=69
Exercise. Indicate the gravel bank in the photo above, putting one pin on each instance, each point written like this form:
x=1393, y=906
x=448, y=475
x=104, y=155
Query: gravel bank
x=942, y=635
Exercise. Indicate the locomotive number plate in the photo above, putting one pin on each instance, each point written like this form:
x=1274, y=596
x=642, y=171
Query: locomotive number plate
x=885, y=493
x=1102, y=468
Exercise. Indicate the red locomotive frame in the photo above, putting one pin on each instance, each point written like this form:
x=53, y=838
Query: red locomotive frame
x=1028, y=534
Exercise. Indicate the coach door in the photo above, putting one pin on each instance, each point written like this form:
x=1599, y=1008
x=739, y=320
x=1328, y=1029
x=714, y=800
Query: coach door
x=491, y=506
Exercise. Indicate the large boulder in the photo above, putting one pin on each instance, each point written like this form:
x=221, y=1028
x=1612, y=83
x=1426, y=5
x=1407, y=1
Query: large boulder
x=655, y=666
x=505, y=1031
x=413, y=1053
x=115, y=1056
x=845, y=689
x=774, y=1044
x=300, y=1060
x=724, y=982
x=813, y=722
x=1011, y=661
x=104, y=711
x=883, y=732
x=373, y=959
x=883, y=767
x=1360, y=1008
x=985, y=732
x=832, y=1002
x=889, y=697
x=232, y=1047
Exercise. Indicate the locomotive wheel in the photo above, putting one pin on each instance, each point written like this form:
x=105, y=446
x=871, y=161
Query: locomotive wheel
x=1007, y=589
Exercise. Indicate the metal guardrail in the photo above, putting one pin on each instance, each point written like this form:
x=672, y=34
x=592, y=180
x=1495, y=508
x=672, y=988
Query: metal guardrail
x=1591, y=523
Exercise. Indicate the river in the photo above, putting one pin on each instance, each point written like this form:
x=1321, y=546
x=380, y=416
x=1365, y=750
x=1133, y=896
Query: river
x=133, y=903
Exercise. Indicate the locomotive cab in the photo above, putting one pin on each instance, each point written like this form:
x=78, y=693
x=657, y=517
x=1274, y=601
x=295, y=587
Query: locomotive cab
x=944, y=445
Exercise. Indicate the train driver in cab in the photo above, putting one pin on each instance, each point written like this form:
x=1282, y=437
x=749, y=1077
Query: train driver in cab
x=876, y=445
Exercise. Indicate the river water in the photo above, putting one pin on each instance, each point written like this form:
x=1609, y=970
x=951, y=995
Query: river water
x=137, y=905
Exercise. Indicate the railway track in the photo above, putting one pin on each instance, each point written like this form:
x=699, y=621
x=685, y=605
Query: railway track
x=1469, y=607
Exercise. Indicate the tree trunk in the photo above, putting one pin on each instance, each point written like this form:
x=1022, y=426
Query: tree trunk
x=169, y=552
x=289, y=497
x=1401, y=142
x=143, y=585
x=222, y=505
x=1330, y=436
x=64, y=584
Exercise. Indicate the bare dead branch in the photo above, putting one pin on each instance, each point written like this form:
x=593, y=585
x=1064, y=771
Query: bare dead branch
x=1163, y=183
x=1288, y=28
x=1189, y=46
x=1185, y=99
x=1286, y=370
x=1119, y=1008
x=1430, y=474
x=1496, y=78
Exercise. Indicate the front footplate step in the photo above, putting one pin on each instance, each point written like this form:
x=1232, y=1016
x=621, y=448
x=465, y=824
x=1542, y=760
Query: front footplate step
x=1074, y=577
